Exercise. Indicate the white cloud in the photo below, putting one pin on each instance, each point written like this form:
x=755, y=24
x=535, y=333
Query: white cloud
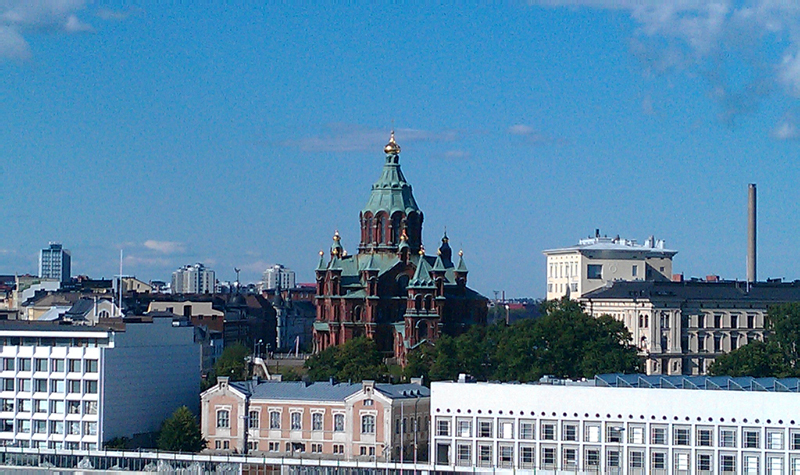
x=18, y=17
x=529, y=133
x=787, y=129
x=705, y=36
x=165, y=247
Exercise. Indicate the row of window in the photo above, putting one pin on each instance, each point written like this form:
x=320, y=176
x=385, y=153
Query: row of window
x=55, y=365
x=485, y=454
x=43, y=385
x=726, y=437
x=51, y=341
x=295, y=421
x=27, y=426
x=43, y=406
x=53, y=444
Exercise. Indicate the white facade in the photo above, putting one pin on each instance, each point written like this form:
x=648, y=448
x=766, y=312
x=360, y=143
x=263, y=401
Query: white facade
x=278, y=276
x=55, y=262
x=595, y=262
x=193, y=279
x=586, y=428
x=75, y=387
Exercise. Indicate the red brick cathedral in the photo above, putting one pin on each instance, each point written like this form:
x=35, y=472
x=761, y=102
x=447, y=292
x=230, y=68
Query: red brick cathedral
x=390, y=291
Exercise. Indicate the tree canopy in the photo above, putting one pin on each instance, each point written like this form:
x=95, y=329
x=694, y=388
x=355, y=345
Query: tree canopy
x=181, y=433
x=356, y=360
x=564, y=342
x=231, y=362
x=778, y=356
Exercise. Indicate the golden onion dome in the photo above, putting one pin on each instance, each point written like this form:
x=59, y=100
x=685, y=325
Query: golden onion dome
x=391, y=148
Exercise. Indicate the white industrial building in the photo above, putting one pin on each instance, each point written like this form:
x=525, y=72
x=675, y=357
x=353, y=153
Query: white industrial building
x=630, y=424
x=597, y=261
x=75, y=387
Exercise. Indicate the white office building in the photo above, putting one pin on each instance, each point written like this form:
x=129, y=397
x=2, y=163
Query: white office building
x=597, y=261
x=75, y=387
x=193, y=279
x=628, y=424
x=55, y=262
x=278, y=276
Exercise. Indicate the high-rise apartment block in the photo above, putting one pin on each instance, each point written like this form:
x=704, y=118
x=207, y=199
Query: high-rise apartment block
x=193, y=279
x=278, y=276
x=55, y=262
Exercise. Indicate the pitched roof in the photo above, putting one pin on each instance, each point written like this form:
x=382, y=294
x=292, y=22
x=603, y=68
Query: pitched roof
x=323, y=391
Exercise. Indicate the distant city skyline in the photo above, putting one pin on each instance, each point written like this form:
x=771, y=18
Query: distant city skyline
x=242, y=137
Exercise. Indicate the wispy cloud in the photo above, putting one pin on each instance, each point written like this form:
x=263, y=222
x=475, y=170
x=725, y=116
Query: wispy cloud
x=20, y=17
x=787, y=129
x=356, y=138
x=705, y=36
x=165, y=247
x=530, y=134
x=113, y=15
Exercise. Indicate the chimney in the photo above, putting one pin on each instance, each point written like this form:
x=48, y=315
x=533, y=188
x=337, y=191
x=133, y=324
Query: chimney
x=751, y=233
x=677, y=277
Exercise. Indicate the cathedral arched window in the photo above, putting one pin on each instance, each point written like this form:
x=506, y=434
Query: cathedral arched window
x=370, y=228
x=357, y=313
x=397, y=222
x=422, y=331
x=428, y=302
x=418, y=303
x=381, y=229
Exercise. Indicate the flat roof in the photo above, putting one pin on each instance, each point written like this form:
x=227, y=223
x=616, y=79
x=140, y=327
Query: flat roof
x=713, y=383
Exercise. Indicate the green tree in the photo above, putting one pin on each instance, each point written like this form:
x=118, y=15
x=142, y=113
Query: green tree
x=232, y=362
x=181, y=432
x=356, y=360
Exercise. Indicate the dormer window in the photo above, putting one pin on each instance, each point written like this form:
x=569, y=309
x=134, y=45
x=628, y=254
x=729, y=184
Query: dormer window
x=368, y=402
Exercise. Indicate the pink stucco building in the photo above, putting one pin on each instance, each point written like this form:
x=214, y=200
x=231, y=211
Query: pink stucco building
x=368, y=420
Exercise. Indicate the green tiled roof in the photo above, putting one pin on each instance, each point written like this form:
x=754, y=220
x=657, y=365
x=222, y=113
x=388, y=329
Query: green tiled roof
x=391, y=192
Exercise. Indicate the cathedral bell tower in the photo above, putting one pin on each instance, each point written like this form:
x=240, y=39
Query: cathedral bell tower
x=391, y=210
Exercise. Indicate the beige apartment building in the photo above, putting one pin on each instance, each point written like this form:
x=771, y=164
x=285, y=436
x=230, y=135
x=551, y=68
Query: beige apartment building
x=361, y=421
x=597, y=261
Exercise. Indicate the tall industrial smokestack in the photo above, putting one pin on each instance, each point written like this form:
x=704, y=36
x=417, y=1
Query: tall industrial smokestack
x=751, y=233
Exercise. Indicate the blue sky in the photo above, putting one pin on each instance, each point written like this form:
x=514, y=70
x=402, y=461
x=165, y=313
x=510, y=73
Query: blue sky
x=241, y=136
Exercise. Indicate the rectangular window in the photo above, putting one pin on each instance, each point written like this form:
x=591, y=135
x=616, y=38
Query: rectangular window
x=24, y=364
x=505, y=456
x=91, y=366
x=39, y=427
x=74, y=386
x=24, y=385
x=73, y=428
x=569, y=432
x=56, y=427
x=703, y=462
x=338, y=422
x=274, y=420
x=612, y=458
x=8, y=384
x=636, y=459
x=750, y=439
x=705, y=437
x=775, y=439
x=485, y=428
x=90, y=387
x=464, y=455
x=484, y=455
x=316, y=421
x=682, y=461
x=681, y=436
x=57, y=386
x=8, y=364
x=526, y=430
x=24, y=405
x=594, y=271
x=24, y=426
x=57, y=365
x=727, y=463
x=40, y=364
x=658, y=461
x=368, y=424
x=634, y=270
x=727, y=438
x=548, y=431
x=74, y=366
x=505, y=430
x=40, y=405
x=592, y=458
x=252, y=420
x=613, y=434
x=464, y=428
x=90, y=428
x=7, y=405
x=570, y=458
x=56, y=407
x=548, y=456
x=6, y=425
x=40, y=385
x=658, y=436
x=296, y=420
x=90, y=407
x=526, y=456
x=73, y=407
x=223, y=419
x=636, y=435
x=442, y=427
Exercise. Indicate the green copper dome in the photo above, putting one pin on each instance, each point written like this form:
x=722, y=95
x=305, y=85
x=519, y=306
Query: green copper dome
x=391, y=192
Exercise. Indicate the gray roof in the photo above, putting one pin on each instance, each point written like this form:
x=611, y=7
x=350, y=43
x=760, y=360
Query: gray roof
x=725, y=383
x=604, y=244
x=771, y=292
x=323, y=391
